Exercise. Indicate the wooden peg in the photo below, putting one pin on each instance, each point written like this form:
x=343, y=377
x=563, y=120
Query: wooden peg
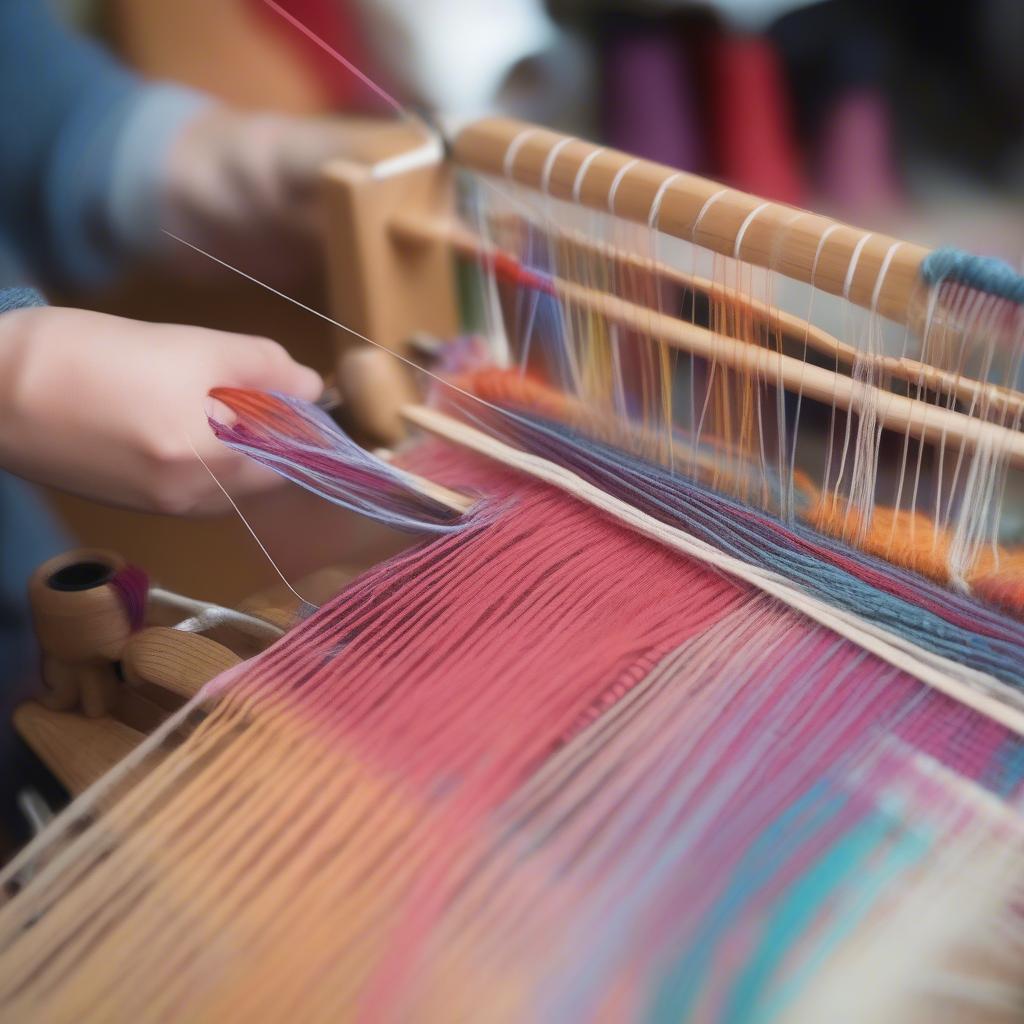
x=374, y=386
x=82, y=625
x=384, y=287
x=174, y=660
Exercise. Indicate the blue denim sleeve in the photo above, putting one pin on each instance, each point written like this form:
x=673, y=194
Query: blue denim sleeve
x=29, y=535
x=75, y=128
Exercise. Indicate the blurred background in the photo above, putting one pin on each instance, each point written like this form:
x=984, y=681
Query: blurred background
x=897, y=115
x=866, y=107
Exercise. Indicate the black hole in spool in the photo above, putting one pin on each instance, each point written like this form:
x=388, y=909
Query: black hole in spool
x=80, y=576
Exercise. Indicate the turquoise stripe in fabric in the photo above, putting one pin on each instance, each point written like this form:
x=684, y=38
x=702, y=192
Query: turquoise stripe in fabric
x=806, y=817
x=855, y=858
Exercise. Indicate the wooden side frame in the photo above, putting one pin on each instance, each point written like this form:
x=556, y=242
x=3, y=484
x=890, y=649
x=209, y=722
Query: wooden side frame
x=382, y=284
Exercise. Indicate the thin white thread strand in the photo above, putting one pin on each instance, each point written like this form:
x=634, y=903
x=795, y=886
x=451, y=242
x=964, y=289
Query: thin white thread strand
x=655, y=212
x=513, y=149
x=750, y=218
x=245, y=522
x=337, y=323
x=549, y=163
x=854, y=260
x=617, y=181
x=708, y=203
x=581, y=173
x=697, y=424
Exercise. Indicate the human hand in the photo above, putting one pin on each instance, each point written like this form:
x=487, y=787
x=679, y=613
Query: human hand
x=245, y=186
x=115, y=409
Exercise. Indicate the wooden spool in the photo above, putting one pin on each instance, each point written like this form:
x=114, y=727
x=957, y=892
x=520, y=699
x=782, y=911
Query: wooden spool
x=94, y=664
x=108, y=686
x=82, y=625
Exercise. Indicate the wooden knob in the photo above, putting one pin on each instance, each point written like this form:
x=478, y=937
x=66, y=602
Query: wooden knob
x=78, y=613
x=82, y=621
x=374, y=387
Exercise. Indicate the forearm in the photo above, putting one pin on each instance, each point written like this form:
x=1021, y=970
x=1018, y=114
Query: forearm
x=84, y=143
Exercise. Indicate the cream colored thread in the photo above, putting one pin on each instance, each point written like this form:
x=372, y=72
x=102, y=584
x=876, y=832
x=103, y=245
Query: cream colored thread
x=617, y=181
x=655, y=215
x=577, y=185
x=549, y=163
x=513, y=149
x=708, y=203
x=746, y=224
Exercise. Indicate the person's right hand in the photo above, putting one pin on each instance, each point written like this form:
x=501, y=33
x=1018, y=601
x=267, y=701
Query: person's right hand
x=115, y=409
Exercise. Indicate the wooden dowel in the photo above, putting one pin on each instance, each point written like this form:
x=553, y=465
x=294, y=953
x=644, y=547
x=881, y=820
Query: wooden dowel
x=1002, y=401
x=418, y=230
x=919, y=419
x=702, y=211
x=175, y=660
x=894, y=412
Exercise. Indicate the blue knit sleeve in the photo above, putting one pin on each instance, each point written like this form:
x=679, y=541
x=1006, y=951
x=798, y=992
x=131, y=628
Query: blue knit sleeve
x=73, y=123
x=19, y=298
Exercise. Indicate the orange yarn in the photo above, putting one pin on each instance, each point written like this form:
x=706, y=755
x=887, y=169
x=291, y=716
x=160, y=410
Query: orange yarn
x=904, y=538
x=504, y=387
x=911, y=540
x=1003, y=587
x=907, y=539
x=507, y=388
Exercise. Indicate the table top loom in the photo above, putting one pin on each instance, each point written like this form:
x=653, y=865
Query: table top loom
x=393, y=231
x=120, y=656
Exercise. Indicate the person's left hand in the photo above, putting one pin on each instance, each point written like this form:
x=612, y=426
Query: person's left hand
x=245, y=187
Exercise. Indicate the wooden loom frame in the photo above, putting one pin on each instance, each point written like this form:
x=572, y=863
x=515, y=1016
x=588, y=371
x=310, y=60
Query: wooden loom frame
x=392, y=236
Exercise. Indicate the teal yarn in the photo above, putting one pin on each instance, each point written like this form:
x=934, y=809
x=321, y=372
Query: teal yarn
x=985, y=273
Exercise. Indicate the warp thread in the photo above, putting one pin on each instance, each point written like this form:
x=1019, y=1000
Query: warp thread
x=536, y=769
x=900, y=537
x=948, y=623
x=942, y=621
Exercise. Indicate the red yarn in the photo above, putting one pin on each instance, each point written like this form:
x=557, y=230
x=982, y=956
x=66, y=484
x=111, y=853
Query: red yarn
x=132, y=586
x=337, y=24
x=574, y=602
x=753, y=130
